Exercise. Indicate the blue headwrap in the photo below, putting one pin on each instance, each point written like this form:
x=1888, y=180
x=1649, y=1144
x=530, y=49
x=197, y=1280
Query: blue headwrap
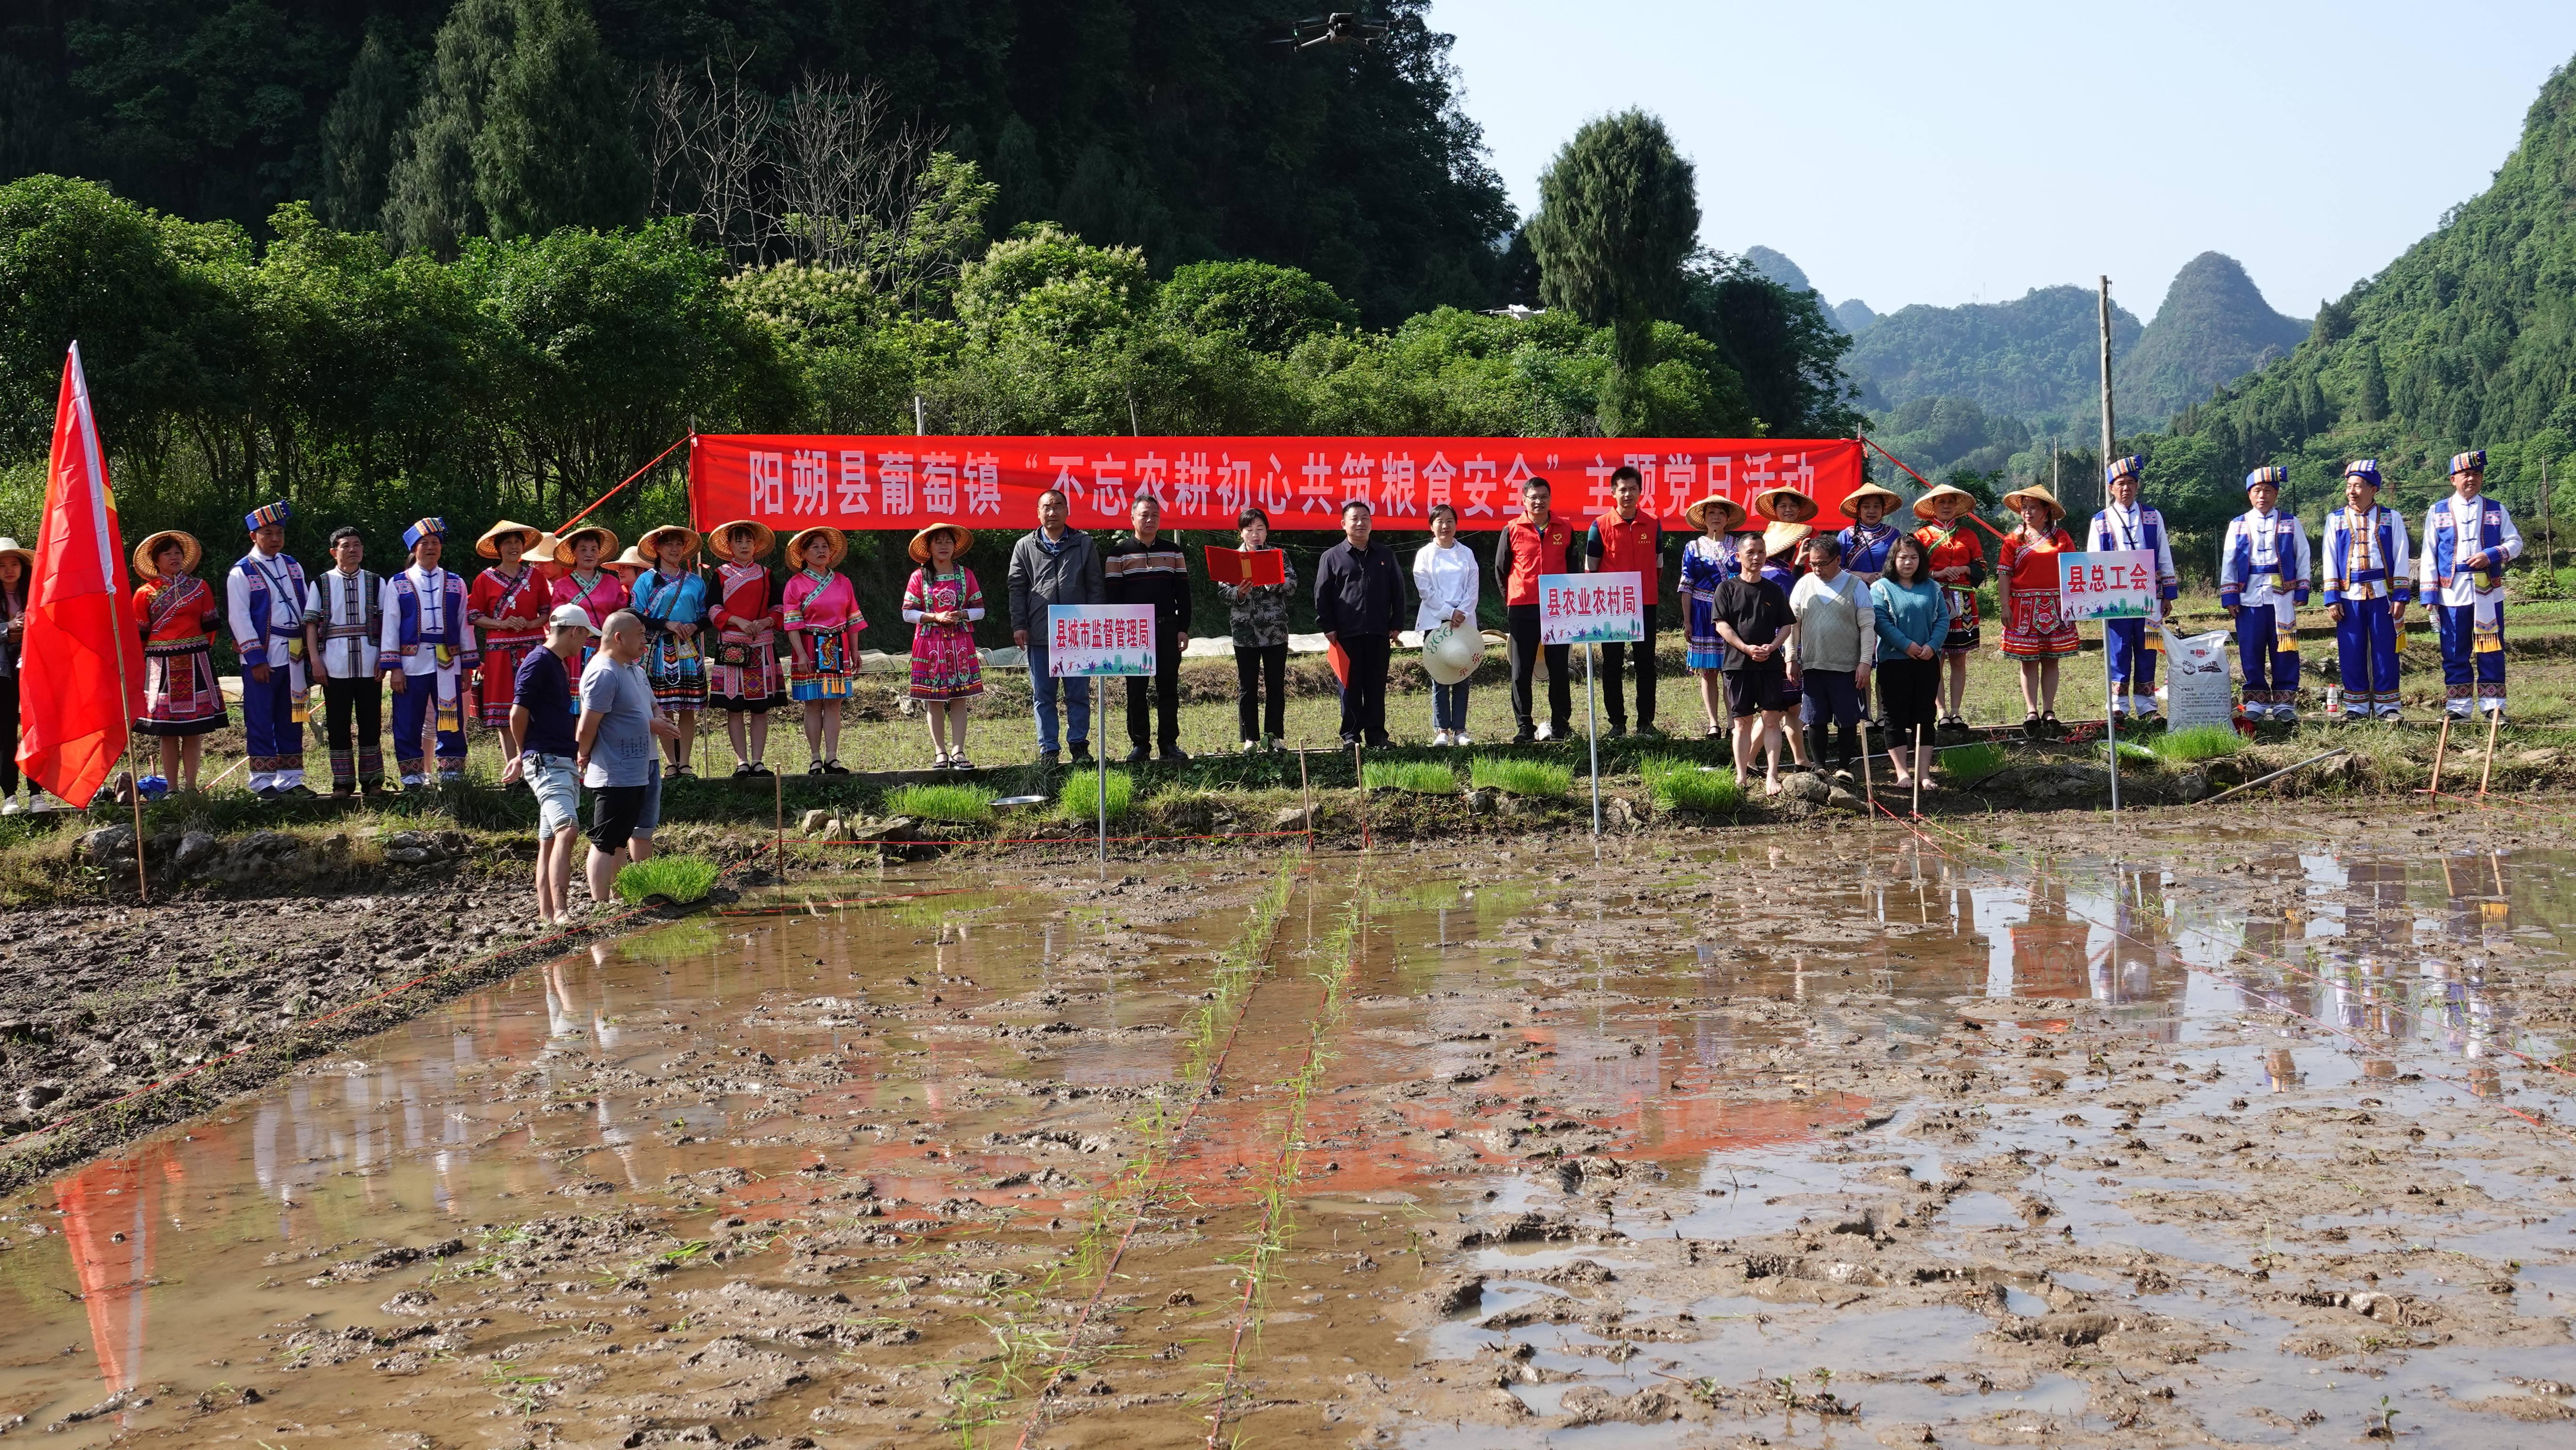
x=426, y=528
x=2274, y=476
x=2366, y=469
x=265, y=515
x=2473, y=461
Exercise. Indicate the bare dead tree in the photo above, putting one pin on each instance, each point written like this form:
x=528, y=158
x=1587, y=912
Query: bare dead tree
x=709, y=148
x=849, y=176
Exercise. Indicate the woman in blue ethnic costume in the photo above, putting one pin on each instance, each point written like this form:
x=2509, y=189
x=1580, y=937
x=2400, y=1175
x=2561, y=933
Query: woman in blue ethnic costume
x=1707, y=562
x=672, y=597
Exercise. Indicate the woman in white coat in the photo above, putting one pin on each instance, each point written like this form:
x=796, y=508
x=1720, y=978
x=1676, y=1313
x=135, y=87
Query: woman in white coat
x=1444, y=578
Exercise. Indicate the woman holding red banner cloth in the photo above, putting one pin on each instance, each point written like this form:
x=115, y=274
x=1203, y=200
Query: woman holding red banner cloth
x=1444, y=580
x=744, y=681
x=823, y=623
x=2036, y=630
x=942, y=601
x=178, y=614
x=1257, y=617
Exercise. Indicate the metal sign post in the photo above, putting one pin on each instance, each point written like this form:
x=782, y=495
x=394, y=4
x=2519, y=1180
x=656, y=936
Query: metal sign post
x=1590, y=610
x=1093, y=642
x=2107, y=585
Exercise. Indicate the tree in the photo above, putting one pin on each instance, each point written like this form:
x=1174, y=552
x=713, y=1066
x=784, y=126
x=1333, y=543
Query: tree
x=431, y=203
x=1270, y=308
x=1618, y=213
x=1783, y=345
x=359, y=133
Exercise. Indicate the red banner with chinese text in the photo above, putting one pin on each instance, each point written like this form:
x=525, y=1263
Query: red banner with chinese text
x=906, y=482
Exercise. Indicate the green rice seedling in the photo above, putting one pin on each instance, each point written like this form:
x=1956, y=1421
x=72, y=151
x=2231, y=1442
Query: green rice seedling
x=963, y=804
x=2199, y=742
x=1079, y=798
x=1520, y=777
x=1422, y=777
x=1968, y=764
x=2135, y=754
x=1693, y=789
x=677, y=879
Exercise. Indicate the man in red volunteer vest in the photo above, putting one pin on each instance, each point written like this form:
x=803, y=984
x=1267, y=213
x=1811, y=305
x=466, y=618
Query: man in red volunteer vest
x=1531, y=545
x=1628, y=540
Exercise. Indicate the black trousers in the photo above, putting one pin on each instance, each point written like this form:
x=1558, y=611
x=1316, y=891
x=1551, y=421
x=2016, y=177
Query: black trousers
x=1525, y=656
x=357, y=756
x=1261, y=685
x=1166, y=686
x=1614, y=658
x=9, y=735
x=1364, y=693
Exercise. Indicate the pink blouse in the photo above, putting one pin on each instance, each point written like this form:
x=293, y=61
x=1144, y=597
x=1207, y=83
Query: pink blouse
x=605, y=596
x=815, y=608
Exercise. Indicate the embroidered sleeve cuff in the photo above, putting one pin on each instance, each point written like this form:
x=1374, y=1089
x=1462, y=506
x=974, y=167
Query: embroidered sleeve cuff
x=2299, y=595
x=2230, y=598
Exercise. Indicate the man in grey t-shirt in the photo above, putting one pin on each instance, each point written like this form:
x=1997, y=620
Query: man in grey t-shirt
x=614, y=748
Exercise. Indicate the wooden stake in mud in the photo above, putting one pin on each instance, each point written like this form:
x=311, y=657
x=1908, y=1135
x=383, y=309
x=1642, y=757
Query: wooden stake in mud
x=1920, y=771
x=2486, y=771
x=778, y=820
x=2440, y=744
x=1360, y=775
x=134, y=792
x=1305, y=795
x=1868, y=785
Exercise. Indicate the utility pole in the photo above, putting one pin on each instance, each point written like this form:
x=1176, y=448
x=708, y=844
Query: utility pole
x=2110, y=717
x=2106, y=376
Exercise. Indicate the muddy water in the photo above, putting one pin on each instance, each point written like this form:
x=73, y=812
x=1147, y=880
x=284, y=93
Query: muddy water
x=1830, y=1140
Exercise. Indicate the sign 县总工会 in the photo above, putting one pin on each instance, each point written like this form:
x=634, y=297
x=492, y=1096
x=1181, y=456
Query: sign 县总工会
x=2110, y=584
x=1100, y=639
x=1592, y=608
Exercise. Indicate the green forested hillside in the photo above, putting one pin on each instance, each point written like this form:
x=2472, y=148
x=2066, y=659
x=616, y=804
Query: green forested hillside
x=2213, y=328
x=1155, y=123
x=2037, y=356
x=2468, y=339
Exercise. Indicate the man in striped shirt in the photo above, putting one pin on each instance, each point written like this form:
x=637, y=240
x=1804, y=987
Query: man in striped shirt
x=1142, y=567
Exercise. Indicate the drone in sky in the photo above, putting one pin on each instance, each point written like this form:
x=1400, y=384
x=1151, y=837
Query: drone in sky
x=1340, y=27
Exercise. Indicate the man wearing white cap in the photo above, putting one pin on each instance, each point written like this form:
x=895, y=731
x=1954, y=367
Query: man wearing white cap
x=543, y=720
x=2468, y=539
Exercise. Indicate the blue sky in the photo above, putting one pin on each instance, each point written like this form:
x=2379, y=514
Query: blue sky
x=1952, y=153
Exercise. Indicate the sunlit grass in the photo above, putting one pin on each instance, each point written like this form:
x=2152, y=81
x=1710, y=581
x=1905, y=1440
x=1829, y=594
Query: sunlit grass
x=1520, y=777
x=677, y=879
x=1422, y=777
x=1079, y=798
x=1968, y=764
x=964, y=805
x=2199, y=742
x=1682, y=785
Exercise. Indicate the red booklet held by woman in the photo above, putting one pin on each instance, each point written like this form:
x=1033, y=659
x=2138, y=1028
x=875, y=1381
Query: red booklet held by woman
x=1246, y=568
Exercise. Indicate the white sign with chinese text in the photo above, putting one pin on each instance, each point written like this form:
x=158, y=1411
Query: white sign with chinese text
x=1591, y=608
x=2112, y=584
x=1100, y=639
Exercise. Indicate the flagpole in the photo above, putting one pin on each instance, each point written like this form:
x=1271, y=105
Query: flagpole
x=107, y=575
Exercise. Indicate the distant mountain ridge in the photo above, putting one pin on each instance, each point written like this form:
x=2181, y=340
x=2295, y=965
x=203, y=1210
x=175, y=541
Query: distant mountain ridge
x=2036, y=356
x=2213, y=328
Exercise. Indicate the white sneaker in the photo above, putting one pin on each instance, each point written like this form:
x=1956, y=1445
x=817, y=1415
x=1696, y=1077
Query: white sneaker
x=1439, y=737
x=11, y=806
x=1251, y=747
x=1545, y=732
x=1461, y=739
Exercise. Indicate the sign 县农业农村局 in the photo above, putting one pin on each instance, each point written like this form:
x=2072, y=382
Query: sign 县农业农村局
x=1592, y=608
x=1099, y=639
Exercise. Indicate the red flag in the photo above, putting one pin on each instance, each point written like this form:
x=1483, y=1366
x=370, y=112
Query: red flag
x=85, y=658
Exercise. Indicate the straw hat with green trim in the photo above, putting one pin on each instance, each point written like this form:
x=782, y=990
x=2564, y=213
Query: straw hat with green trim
x=2035, y=493
x=1868, y=490
x=763, y=538
x=840, y=545
x=489, y=546
x=1784, y=505
x=1728, y=508
x=1923, y=506
x=650, y=550
x=191, y=553
x=563, y=543
x=920, y=547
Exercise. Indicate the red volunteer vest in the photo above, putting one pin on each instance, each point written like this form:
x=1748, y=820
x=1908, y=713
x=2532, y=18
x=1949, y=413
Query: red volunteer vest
x=1533, y=556
x=1632, y=548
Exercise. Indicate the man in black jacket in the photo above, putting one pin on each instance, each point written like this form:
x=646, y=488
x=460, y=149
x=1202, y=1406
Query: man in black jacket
x=1357, y=593
x=1141, y=567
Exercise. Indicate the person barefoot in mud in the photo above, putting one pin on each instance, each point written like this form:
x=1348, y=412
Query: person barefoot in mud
x=1958, y=563
x=614, y=748
x=1761, y=652
x=541, y=720
x=1913, y=623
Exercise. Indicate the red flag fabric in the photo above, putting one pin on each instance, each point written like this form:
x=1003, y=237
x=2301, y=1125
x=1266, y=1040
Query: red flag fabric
x=907, y=481
x=85, y=662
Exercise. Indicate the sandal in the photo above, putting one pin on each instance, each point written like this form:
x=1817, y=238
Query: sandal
x=741, y=768
x=2030, y=725
x=834, y=767
x=939, y=761
x=2049, y=722
x=960, y=762
x=815, y=769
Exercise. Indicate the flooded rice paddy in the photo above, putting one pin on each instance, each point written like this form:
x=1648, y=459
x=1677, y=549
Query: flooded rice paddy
x=1831, y=1139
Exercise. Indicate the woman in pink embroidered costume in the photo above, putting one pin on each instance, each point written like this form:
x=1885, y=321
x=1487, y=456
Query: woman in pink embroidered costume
x=586, y=581
x=743, y=677
x=508, y=603
x=823, y=623
x=941, y=602
x=178, y=616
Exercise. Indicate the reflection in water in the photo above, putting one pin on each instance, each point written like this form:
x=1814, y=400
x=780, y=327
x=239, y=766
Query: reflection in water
x=917, y=1046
